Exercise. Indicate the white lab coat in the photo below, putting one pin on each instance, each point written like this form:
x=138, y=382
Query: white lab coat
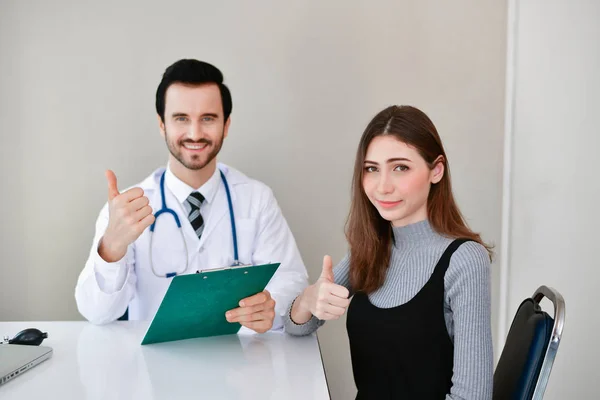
x=105, y=290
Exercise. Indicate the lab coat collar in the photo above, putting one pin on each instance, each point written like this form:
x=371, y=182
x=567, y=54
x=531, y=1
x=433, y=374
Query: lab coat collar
x=182, y=190
x=220, y=207
x=234, y=177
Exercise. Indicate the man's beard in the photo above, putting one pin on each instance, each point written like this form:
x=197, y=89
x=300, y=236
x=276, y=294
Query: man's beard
x=198, y=161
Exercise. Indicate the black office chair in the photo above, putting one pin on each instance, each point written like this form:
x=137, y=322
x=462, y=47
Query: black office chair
x=124, y=317
x=524, y=367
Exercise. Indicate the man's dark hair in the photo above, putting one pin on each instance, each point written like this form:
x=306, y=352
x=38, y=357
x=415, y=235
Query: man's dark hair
x=192, y=72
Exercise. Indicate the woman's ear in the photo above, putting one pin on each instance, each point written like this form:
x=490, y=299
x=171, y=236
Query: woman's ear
x=438, y=170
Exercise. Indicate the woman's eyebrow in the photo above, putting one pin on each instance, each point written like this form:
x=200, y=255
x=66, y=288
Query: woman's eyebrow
x=391, y=160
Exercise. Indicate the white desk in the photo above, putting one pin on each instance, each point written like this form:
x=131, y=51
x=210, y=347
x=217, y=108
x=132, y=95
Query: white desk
x=107, y=362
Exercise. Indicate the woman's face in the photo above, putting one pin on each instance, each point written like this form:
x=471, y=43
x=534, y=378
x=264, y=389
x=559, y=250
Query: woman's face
x=396, y=179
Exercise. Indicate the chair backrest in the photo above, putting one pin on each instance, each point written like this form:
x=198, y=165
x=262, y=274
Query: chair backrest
x=526, y=361
x=124, y=317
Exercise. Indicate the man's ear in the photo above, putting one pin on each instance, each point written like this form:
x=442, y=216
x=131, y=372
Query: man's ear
x=161, y=125
x=226, y=127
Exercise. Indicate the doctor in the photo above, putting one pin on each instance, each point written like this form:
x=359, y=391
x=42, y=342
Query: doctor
x=195, y=214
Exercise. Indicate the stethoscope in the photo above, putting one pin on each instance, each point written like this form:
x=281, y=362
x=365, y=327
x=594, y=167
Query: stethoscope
x=166, y=210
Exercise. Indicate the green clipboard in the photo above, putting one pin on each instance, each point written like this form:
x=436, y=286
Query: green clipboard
x=195, y=304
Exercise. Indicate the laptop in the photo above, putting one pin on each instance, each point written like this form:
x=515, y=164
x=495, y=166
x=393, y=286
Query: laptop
x=15, y=359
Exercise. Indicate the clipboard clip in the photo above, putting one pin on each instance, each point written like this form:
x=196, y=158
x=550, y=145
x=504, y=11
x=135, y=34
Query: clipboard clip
x=238, y=263
x=235, y=265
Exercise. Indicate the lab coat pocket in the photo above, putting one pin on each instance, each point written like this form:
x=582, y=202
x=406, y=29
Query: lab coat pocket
x=246, y=232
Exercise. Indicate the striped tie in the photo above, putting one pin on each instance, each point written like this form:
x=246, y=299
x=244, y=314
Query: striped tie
x=195, y=201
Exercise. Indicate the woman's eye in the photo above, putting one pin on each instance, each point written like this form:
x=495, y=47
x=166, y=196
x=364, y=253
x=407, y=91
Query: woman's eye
x=401, y=168
x=370, y=169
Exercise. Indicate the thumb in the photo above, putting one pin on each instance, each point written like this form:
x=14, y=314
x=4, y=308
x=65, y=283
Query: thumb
x=113, y=191
x=327, y=272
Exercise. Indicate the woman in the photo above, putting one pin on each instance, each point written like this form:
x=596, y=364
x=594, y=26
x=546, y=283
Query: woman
x=419, y=318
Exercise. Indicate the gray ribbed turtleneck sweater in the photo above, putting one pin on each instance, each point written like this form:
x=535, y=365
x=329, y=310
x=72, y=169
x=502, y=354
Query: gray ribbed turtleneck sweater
x=415, y=253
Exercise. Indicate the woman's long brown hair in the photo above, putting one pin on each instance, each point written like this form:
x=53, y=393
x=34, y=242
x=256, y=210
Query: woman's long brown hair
x=369, y=235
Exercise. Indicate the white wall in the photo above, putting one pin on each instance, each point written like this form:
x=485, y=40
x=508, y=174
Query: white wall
x=555, y=186
x=77, y=83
